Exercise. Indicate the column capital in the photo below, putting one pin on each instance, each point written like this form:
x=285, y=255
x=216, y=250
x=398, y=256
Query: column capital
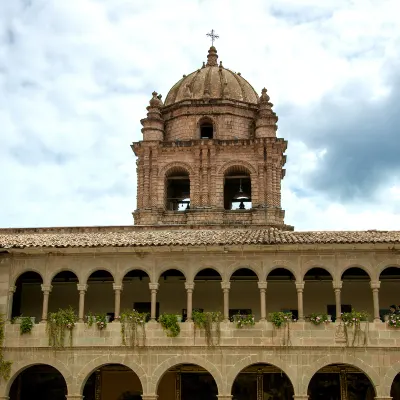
x=189, y=286
x=46, y=288
x=12, y=289
x=262, y=285
x=337, y=285
x=82, y=287
x=153, y=286
x=117, y=287
x=300, y=286
x=225, y=285
x=375, y=284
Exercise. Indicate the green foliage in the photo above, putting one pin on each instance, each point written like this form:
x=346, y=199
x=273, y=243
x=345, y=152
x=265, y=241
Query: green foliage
x=353, y=320
x=99, y=319
x=26, y=325
x=5, y=366
x=394, y=320
x=242, y=320
x=131, y=321
x=318, y=319
x=170, y=324
x=58, y=323
x=354, y=317
x=280, y=318
x=206, y=320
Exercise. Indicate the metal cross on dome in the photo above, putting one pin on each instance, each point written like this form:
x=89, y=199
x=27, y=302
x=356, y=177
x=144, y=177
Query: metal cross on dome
x=213, y=36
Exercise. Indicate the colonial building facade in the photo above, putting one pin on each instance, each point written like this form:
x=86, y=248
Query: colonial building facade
x=209, y=237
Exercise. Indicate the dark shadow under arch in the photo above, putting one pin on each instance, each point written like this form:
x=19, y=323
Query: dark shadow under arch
x=329, y=380
x=64, y=291
x=40, y=381
x=261, y=380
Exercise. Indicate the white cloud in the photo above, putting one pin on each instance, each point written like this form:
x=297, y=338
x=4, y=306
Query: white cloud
x=76, y=76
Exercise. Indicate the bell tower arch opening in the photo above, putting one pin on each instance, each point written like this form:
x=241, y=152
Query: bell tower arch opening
x=237, y=188
x=206, y=128
x=177, y=189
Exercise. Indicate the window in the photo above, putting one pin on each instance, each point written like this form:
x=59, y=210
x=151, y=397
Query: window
x=206, y=129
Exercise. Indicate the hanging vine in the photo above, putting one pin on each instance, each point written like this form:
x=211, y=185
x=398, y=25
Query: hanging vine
x=206, y=321
x=5, y=366
x=353, y=320
x=282, y=319
x=58, y=323
x=133, y=328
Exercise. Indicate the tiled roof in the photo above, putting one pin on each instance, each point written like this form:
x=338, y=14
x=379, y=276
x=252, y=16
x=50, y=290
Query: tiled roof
x=134, y=237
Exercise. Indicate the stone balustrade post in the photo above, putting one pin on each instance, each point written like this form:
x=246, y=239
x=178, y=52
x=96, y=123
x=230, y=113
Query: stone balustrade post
x=262, y=286
x=375, y=286
x=189, y=286
x=117, y=301
x=82, y=288
x=337, y=287
x=11, y=291
x=153, y=289
x=225, y=288
x=300, y=290
x=46, y=289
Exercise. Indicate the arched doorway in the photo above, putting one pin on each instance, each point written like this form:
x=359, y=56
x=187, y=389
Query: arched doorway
x=172, y=293
x=395, y=389
x=100, y=294
x=28, y=296
x=136, y=292
x=187, y=382
x=64, y=292
x=244, y=297
x=207, y=295
x=262, y=381
x=39, y=381
x=340, y=381
x=281, y=292
x=388, y=292
x=113, y=382
x=319, y=296
x=356, y=291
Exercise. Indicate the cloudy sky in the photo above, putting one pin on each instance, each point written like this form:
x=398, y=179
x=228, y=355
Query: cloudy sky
x=76, y=77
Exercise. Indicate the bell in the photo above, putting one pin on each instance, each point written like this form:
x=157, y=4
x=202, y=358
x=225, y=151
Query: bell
x=240, y=195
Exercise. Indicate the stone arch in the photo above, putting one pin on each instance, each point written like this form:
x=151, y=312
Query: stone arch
x=125, y=360
x=310, y=371
x=20, y=366
x=256, y=359
x=360, y=266
x=388, y=379
x=53, y=274
x=14, y=278
x=198, y=269
x=309, y=267
x=243, y=265
x=206, y=119
x=166, y=268
x=288, y=266
x=86, y=276
x=185, y=359
x=240, y=163
x=121, y=276
x=176, y=165
x=384, y=265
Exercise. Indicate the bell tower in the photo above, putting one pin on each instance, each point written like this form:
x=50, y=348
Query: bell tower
x=210, y=155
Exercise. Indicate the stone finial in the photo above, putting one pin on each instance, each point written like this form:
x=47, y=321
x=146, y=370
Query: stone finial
x=212, y=58
x=264, y=98
x=155, y=101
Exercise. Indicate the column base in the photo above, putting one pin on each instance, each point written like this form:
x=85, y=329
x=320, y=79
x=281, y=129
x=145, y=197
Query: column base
x=149, y=396
x=383, y=398
x=224, y=397
x=300, y=397
x=74, y=397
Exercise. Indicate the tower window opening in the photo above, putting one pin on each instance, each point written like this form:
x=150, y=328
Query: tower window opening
x=206, y=130
x=178, y=191
x=237, y=191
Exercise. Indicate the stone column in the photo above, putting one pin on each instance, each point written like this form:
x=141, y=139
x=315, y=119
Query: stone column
x=11, y=291
x=375, y=285
x=189, y=286
x=337, y=287
x=225, y=288
x=300, y=289
x=46, y=289
x=153, y=288
x=262, y=286
x=82, y=291
x=117, y=301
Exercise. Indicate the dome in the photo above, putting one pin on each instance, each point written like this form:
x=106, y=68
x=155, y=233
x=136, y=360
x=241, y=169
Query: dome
x=212, y=81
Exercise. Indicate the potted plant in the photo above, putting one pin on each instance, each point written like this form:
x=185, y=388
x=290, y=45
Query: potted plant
x=242, y=320
x=393, y=320
x=318, y=319
x=280, y=318
x=170, y=324
x=101, y=320
x=25, y=323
